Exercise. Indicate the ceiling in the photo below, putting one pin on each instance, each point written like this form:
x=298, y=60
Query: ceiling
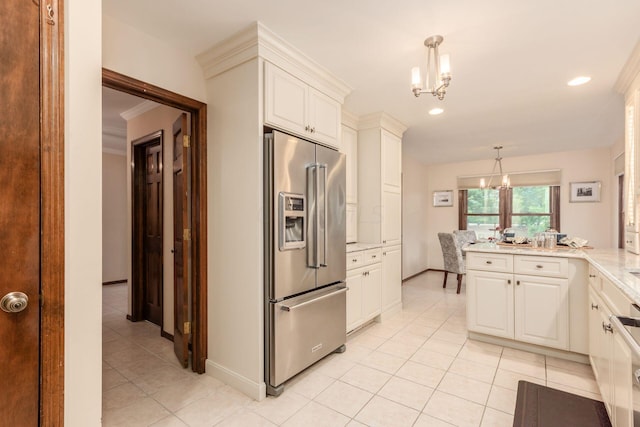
x=510, y=62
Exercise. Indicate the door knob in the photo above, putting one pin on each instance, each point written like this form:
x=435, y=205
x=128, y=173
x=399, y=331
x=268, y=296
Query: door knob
x=14, y=302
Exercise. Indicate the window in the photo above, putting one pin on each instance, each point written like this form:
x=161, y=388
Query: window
x=527, y=209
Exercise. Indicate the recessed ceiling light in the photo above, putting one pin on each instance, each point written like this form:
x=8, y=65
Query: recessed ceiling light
x=435, y=111
x=580, y=80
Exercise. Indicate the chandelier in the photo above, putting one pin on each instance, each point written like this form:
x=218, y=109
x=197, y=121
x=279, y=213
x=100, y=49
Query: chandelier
x=505, y=182
x=438, y=75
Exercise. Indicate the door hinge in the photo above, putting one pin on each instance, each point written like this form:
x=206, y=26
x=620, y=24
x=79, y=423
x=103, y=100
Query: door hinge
x=186, y=141
x=187, y=234
x=187, y=328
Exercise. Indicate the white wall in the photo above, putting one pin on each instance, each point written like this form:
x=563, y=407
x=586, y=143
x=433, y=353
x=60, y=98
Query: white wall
x=415, y=202
x=133, y=53
x=592, y=221
x=83, y=214
x=235, y=232
x=115, y=240
x=160, y=118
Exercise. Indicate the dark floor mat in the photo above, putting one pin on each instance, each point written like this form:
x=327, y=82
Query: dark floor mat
x=540, y=406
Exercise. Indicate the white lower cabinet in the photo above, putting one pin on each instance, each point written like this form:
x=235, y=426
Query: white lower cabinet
x=541, y=311
x=609, y=355
x=490, y=303
x=524, y=307
x=364, y=283
x=391, y=278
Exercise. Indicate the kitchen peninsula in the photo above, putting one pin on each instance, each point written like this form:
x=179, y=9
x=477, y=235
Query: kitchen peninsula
x=558, y=302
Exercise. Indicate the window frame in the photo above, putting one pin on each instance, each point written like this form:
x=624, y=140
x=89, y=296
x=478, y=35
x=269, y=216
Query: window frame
x=505, y=208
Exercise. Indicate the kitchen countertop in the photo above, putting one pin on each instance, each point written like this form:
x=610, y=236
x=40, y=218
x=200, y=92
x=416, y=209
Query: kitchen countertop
x=615, y=264
x=354, y=247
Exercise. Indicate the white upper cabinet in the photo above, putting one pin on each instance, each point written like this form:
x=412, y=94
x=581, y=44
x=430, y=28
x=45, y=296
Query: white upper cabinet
x=349, y=146
x=380, y=180
x=292, y=105
x=391, y=162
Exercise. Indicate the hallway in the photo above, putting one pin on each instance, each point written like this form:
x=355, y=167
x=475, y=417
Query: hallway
x=416, y=369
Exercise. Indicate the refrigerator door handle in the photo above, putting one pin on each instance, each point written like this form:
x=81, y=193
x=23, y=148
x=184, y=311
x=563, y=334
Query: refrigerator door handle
x=313, y=219
x=339, y=290
x=325, y=237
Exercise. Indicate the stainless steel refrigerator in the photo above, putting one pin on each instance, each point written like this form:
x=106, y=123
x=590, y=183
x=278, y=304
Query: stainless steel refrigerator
x=305, y=265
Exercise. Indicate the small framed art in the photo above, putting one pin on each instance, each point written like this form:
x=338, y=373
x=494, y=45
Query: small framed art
x=584, y=191
x=443, y=198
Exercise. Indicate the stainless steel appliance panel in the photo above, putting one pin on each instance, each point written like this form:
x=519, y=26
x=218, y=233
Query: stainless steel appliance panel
x=290, y=158
x=332, y=205
x=305, y=329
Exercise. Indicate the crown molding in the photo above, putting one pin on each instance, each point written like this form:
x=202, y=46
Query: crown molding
x=114, y=131
x=383, y=120
x=349, y=119
x=139, y=109
x=257, y=41
x=629, y=72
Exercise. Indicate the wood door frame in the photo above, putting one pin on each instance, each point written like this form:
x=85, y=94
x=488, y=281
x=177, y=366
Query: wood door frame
x=137, y=228
x=52, y=261
x=198, y=178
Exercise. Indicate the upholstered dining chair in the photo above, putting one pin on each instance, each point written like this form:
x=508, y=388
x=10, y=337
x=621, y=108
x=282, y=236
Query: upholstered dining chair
x=452, y=255
x=465, y=237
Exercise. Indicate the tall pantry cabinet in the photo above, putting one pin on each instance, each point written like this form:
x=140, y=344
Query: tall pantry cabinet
x=380, y=198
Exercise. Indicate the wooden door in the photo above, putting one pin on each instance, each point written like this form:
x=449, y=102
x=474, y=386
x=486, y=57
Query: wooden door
x=20, y=210
x=153, y=268
x=147, y=260
x=181, y=238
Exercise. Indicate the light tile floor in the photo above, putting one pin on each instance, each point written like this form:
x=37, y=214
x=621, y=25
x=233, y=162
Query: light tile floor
x=417, y=368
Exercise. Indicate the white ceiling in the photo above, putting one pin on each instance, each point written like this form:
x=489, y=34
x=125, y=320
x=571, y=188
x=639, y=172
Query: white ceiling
x=510, y=62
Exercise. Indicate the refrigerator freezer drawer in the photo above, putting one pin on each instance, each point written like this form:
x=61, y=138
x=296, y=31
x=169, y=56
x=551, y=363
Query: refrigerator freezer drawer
x=304, y=330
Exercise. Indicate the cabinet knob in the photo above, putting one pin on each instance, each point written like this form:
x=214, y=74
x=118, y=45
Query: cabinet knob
x=373, y=256
x=607, y=328
x=489, y=262
x=354, y=260
x=508, y=281
x=539, y=266
x=592, y=275
x=518, y=282
x=313, y=129
x=594, y=307
x=384, y=241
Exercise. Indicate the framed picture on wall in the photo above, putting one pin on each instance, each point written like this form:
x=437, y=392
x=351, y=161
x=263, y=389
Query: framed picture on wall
x=584, y=191
x=443, y=198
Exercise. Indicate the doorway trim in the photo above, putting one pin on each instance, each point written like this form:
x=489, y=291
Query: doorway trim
x=198, y=178
x=52, y=214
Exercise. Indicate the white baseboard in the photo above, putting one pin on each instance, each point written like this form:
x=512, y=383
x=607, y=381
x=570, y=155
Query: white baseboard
x=547, y=351
x=396, y=308
x=256, y=391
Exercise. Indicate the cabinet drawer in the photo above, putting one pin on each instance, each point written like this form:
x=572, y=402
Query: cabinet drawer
x=618, y=302
x=541, y=266
x=355, y=260
x=489, y=262
x=372, y=255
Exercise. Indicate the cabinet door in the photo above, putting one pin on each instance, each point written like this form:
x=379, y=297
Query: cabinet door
x=349, y=145
x=324, y=115
x=391, y=147
x=542, y=311
x=354, y=299
x=371, y=292
x=352, y=223
x=599, y=351
x=622, y=382
x=285, y=100
x=391, y=218
x=490, y=303
x=391, y=277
